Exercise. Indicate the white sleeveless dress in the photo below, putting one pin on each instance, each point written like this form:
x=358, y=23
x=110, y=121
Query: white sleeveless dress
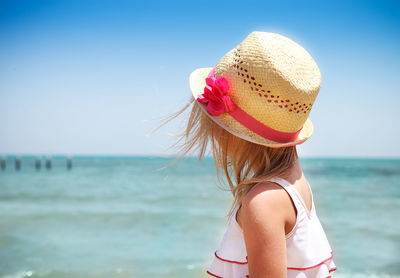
x=308, y=252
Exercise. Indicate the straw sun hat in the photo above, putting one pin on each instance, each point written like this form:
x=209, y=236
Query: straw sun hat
x=261, y=91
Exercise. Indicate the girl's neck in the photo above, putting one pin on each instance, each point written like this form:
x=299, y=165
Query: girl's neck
x=294, y=173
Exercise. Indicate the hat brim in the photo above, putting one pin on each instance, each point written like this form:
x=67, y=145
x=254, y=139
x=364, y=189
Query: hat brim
x=197, y=81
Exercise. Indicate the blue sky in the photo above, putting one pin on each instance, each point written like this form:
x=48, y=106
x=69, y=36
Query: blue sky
x=85, y=77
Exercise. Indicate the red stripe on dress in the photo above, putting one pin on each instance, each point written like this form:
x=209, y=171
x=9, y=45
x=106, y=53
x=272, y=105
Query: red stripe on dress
x=332, y=269
x=212, y=274
x=301, y=268
x=291, y=268
x=228, y=261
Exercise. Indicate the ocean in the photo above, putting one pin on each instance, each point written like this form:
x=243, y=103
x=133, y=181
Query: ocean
x=136, y=217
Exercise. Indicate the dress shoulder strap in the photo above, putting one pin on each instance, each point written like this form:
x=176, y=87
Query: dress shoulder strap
x=294, y=194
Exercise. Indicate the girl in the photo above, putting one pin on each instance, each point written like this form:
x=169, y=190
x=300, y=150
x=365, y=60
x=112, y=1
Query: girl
x=253, y=108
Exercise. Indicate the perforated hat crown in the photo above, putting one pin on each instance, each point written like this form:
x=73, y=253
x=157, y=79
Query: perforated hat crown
x=262, y=90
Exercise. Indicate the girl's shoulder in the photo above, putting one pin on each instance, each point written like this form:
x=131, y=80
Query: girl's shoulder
x=266, y=200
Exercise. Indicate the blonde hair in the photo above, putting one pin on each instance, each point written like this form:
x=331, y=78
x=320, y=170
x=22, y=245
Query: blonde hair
x=245, y=164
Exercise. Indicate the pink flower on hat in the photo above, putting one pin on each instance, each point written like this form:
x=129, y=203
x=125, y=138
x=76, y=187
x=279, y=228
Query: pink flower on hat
x=216, y=95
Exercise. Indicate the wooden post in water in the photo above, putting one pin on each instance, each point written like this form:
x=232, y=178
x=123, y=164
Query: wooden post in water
x=48, y=162
x=3, y=163
x=69, y=162
x=37, y=163
x=17, y=163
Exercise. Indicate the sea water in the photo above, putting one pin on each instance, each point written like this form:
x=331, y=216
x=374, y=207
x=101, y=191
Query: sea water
x=134, y=217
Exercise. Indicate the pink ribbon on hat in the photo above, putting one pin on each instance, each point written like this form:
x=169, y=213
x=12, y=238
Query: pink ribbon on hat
x=218, y=101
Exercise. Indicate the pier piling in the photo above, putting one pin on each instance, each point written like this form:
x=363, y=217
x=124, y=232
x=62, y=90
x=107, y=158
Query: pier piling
x=17, y=163
x=37, y=163
x=48, y=163
x=69, y=162
x=3, y=163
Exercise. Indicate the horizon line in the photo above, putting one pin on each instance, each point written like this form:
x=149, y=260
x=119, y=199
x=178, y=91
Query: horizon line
x=20, y=155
